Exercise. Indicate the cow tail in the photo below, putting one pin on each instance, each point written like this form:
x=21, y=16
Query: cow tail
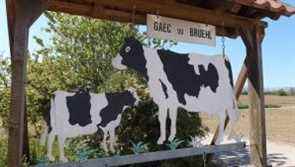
x=229, y=70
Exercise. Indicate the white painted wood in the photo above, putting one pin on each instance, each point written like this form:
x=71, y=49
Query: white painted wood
x=180, y=30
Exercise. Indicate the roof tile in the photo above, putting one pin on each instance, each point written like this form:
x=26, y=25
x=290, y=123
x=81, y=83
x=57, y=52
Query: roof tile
x=277, y=6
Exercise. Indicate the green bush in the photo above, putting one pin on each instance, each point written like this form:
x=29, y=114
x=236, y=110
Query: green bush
x=3, y=152
x=282, y=92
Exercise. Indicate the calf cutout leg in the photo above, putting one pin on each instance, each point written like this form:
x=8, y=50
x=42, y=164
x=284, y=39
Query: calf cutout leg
x=173, y=118
x=44, y=137
x=233, y=119
x=51, y=137
x=162, y=119
x=61, y=144
x=104, y=141
x=112, y=140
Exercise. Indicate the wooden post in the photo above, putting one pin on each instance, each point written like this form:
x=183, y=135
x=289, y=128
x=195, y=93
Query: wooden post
x=253, y=39
x=21, y=14
x=17, y=105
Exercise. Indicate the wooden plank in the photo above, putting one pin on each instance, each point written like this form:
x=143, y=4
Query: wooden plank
x=253, y=40
x=174, y=10
x=153, y=156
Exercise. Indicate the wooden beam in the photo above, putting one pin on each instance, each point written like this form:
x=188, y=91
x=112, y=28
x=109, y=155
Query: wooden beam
x=235, y=8
x=20, y=14
x=253, y=40
x=95, y=11
x=174, y=10
x=107, y=13
x=153, y=156
x=241, y=80
x=182, y=11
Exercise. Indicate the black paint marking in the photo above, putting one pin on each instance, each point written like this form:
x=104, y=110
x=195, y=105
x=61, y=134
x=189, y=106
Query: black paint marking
x=164, y=87
x=182, y=75
x=46, y=116
x=134, y=59
x=116, y=103
x=79, y=108
x=230, y=73
x=210, y=77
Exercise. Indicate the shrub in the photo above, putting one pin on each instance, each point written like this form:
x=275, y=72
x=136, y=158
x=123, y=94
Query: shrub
x=281, y=92
x=3, y=152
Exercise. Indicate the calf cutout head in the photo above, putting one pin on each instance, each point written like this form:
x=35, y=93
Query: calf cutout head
x=117, y=103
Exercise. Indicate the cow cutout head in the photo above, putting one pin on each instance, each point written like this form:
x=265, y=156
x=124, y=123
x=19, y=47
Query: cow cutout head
x=131, y=55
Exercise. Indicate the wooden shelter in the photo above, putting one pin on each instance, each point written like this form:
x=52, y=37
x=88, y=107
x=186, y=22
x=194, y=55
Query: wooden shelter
x=232, y=18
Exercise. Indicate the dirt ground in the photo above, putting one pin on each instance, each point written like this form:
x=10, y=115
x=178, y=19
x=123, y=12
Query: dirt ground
x=280, y=122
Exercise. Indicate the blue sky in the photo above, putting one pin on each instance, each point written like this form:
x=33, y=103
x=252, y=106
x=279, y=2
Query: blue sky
x=278, y=48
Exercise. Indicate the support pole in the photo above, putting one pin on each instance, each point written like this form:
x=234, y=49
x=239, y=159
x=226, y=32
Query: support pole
x=21, y=14
x=253, y=40
x=17, y=101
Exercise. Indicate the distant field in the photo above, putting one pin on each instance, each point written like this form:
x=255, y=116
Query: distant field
x=284, y=101
x=280, y=122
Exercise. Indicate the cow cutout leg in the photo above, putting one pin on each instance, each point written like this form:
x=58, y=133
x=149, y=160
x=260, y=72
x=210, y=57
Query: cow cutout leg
x=229, y=130
x=222, y=117
x=51, y=137
x=61, y=144
x=173, y=118
x=112, y=140
x=104, y=141
x=233, y=119
x=162, y=119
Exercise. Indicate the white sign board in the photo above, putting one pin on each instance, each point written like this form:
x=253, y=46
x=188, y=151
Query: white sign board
x=180, y=30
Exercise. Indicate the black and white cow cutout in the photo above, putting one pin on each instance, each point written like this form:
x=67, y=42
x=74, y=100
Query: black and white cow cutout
x=82, y=113
x=195, y=82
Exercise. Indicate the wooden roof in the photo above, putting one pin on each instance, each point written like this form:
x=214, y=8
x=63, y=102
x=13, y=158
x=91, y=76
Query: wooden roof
x=225, y=14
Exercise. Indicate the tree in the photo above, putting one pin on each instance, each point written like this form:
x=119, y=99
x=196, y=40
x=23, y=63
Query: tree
x=4, y=89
